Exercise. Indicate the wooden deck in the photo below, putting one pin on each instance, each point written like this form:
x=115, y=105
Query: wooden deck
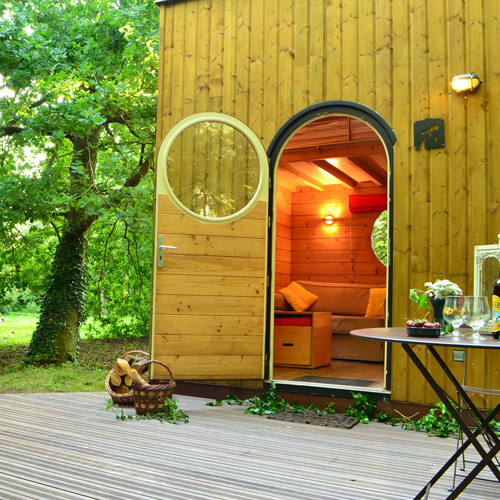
x=66, y=446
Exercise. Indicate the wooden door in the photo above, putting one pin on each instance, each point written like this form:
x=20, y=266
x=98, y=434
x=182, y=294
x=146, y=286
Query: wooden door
x=209, y=294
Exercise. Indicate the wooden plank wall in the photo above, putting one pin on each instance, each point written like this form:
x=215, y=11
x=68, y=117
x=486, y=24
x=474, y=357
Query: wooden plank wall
x=340, y=253
x=265, y=61
x=283, y=250
x=210, y=297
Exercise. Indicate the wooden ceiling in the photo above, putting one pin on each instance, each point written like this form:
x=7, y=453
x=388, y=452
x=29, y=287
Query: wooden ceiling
x=334, y=151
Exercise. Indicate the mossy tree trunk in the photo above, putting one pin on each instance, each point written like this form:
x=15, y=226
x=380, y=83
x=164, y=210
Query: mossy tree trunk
x=63, y=302
x=63, y=305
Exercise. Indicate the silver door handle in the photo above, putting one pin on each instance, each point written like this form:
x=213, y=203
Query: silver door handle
x=162, y=247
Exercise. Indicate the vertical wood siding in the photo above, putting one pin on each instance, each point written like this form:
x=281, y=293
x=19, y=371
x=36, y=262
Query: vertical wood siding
x=265, y=61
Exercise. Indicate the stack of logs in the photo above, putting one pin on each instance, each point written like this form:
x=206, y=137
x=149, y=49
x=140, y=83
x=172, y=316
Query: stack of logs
x=119, y=381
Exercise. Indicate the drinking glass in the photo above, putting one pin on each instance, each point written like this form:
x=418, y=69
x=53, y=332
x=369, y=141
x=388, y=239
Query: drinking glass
x=475, y=313
x=452, y=313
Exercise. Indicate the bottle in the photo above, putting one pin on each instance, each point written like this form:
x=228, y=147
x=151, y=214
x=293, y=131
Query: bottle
x=495, y=309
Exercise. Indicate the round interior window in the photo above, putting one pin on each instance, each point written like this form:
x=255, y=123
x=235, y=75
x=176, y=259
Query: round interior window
x=380, y=237
x=212, y=169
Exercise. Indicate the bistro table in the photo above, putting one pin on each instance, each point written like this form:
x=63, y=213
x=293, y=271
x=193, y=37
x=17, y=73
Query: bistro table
x=400, y=336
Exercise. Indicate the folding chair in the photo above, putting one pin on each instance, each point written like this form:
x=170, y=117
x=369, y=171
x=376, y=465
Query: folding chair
x=476, y=427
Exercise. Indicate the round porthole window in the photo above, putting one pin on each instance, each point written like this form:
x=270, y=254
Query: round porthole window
x=380, y=237
x=213, y=166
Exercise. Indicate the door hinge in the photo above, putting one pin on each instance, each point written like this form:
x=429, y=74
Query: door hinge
x=269, y=222
x=161, y=247
x=267, y=281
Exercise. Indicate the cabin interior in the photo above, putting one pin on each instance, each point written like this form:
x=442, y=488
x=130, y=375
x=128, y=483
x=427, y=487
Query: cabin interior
x=324, y=164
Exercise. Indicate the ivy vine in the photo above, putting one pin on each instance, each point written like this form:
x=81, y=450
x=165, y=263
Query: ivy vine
x=438, y=422
x=66, y=292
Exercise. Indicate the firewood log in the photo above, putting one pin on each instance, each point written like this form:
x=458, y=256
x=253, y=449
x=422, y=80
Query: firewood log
x=123, y=389
x=132, y=372
x=127, y=380
x=115, y=379
x=118, y=369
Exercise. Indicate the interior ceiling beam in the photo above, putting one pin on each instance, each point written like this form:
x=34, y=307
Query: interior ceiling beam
x=371, y=168
x=306, y=179
x=333, y=151
x=341, y=176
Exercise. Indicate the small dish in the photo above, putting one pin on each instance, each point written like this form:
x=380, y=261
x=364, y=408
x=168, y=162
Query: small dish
x=414, y=331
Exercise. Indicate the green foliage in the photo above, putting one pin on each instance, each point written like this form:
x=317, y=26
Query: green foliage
x=77, y=137
x=495, y=424
x=383, y=418
x=380, y=237
x=270, y=402
x=119, y=262
x=26, y=251
x=170, y=413
x=438, y=422
x=422, y=300
x=16, y=300
x=364, y=406
x=218, y=402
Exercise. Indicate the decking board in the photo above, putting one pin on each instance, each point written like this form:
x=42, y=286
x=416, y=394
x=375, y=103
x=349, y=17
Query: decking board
x=66, y=446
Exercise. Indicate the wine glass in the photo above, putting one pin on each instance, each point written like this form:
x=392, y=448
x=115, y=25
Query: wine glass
x=452, y=313
x=475, y=313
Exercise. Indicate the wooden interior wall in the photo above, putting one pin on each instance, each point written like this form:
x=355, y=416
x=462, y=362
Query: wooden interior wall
x=262, y=62
x=283, y=250
x=340, y=253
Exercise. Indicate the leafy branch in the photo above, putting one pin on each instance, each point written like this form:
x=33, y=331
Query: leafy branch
x=170, y=412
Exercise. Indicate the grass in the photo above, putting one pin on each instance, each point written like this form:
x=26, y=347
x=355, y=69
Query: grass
x=95, y=357
x=17, y=327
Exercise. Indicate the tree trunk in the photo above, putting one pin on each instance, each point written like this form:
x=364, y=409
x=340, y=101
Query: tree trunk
x=63, y=303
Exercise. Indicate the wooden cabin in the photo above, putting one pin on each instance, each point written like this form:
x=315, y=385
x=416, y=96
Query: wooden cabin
x=274, y=115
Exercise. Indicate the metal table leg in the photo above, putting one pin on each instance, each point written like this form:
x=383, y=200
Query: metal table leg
x=486, y=458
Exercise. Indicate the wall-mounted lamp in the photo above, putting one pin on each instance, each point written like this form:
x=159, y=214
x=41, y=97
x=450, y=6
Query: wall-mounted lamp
x=465, y=83
x=329, y=220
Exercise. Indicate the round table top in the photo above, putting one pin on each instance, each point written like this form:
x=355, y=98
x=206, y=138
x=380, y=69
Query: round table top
x=399, y=335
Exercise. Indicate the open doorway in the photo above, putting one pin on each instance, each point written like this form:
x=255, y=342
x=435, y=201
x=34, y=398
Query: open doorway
x=331, y=202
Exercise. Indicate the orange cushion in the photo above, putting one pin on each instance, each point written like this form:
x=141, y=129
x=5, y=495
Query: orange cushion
x=298, y=297
x=375, y=308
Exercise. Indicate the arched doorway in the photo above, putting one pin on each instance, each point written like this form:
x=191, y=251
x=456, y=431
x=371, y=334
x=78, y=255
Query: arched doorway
x=323, y=160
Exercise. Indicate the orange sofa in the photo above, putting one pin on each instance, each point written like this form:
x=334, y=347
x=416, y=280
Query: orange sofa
x=348, y=305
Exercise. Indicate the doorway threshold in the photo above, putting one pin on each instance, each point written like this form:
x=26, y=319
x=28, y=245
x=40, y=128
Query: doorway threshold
x=326, y=390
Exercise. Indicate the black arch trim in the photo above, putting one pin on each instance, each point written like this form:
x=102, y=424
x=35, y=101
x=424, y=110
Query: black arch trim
x=387, y=135
x=327, y=108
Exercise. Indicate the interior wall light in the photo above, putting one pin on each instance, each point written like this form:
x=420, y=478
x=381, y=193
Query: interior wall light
x=465, y=83
x=329, y=220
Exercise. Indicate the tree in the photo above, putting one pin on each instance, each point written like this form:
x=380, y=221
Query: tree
x=380, y=237
x=77, y=128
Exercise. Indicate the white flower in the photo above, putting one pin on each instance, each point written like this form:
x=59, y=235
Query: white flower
x=443, y=288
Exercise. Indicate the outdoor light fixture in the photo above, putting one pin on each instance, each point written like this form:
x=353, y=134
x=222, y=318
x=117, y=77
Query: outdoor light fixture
x=329, y=220
x=465, y=83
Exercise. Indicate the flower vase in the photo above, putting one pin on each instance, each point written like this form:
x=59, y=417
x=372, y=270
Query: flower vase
x=437, y=305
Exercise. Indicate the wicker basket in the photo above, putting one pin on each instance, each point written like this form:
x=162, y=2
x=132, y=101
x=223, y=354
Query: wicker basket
x=150, y=398
x=122, y=399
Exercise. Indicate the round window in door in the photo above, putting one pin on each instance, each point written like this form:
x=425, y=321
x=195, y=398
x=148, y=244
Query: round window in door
x=212, y=165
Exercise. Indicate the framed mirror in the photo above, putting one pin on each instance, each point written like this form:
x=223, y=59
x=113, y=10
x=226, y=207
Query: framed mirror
x=486, y=271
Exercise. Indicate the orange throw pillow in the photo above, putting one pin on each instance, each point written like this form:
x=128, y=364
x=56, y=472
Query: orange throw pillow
x=376, y=303
x=298, y=297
